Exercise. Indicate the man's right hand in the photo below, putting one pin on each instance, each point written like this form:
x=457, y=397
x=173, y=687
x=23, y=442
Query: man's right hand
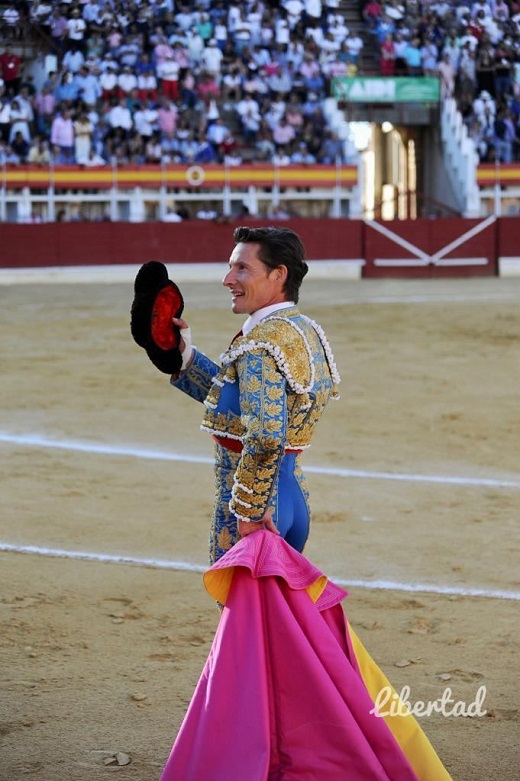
x=185, y=346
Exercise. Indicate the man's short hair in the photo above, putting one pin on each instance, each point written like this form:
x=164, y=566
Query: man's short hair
x=278, y=247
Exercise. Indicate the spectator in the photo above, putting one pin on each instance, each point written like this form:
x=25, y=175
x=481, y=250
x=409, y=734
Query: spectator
x=39, y=153
x=453, y=50
x=45, y=105
x=89, y=87
x=170, y=148
x=447, y=76
x=7, y=156
x=187, y=88
x=10, y=70
x=504, y=59
x=302, y=156
x=147, y=84
x=212, y=58
x=429, y=58
x=108, y=81
x=11, y=23
x=468, y=70
x=62, y=137
x=207, y=89
x=384, y=27
x=387, y=64
x=485, y=65
x=171, y=216
x=206, y=212
x=400, y=47
x=58, y=30
x=25, y=102
x=93, y=18
x=220, y=33
x=74, y=59
x=233, y=158
x=119, y=117
x=20, y=147
x=204, y=27
x=280, y=81
x=372, y=13
x=280, y=158
x=20, y=119
x=205, y=153
x=254, y=84
x=162, y=49
x=94, y=159
x=126, y=81
x=5, y=119
x=217, y=133
x=354, y=45
x=293, y=113
x=232, y=85
x=146, y=120
x=396, y=11
x=136, y=146
x=168, y=73
x=413, y=57
x=332, y=149
x=264, y=145
x=76, y=27
x=504, y=135
x=188, y=146
x=67, y=90
x=83, y=131
x=283, y=133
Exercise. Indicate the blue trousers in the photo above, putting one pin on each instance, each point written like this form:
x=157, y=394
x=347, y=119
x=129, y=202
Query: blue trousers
x=289, y=501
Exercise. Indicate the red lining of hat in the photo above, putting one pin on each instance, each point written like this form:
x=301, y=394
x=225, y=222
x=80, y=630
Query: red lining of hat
x=167, y=305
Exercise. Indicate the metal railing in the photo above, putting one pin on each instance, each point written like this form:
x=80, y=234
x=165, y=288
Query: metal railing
x=140, y=193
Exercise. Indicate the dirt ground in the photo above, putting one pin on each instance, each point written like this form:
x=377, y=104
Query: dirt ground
x=99, y=657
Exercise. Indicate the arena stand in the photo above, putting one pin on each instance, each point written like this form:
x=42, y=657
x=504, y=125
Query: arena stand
x=155, y=111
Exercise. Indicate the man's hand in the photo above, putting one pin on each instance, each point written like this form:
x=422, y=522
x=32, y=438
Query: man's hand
x=185, y=341
x=248, y=527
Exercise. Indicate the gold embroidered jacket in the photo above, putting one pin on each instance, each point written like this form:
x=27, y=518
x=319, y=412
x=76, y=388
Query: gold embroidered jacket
x=267, y=396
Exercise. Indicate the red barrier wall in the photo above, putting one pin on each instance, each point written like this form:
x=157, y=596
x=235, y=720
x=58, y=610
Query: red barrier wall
x=509, y=237
x=422, y=248
x=89, y=243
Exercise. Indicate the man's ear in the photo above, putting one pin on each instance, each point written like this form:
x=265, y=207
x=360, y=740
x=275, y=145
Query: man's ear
x=281, y=273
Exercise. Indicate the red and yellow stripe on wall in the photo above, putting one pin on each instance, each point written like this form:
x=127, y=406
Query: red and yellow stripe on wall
x=506, y=175
x=178, y=176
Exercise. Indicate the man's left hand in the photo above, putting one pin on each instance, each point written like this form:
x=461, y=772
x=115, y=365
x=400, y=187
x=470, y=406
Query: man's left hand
x=248, y=527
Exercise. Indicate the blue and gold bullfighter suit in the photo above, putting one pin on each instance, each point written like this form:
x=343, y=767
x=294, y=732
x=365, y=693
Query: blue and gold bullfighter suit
x=261, y=406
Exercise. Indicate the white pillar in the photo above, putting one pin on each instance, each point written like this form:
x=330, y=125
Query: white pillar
x=137, y=211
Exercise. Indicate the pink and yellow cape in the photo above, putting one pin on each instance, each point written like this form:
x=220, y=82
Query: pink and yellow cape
x=287, y=692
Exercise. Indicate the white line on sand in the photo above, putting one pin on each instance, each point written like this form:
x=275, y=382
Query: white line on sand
x=384, y=585
x=33, y=440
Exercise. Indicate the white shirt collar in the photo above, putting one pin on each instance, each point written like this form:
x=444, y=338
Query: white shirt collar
x=255, y=318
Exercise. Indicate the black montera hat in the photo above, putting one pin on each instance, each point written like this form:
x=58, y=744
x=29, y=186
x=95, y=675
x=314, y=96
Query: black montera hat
x=156, y=301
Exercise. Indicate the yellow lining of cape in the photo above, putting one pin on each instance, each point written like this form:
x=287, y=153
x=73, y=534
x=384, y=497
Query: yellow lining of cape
x=217, y=583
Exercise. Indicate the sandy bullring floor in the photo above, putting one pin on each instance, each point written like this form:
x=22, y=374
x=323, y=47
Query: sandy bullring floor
x=102, y=657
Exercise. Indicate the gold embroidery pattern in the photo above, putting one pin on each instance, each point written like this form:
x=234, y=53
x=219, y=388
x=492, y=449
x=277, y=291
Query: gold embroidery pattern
x=286, y=342
x=265, y=434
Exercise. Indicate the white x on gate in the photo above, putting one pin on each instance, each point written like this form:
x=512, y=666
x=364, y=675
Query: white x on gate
x=439, y=258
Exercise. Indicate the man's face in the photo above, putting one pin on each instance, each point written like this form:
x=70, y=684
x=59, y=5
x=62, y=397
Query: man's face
x=252, y=284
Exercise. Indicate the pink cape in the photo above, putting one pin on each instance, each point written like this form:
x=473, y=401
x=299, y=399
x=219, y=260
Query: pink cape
x=281, y=696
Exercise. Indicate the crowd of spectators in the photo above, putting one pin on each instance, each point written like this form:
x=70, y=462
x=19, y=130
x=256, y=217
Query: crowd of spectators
x=156, y=81
x=473, y=47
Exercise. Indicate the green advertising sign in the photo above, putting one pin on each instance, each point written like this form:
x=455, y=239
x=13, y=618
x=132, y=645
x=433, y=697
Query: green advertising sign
x=385, y=89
